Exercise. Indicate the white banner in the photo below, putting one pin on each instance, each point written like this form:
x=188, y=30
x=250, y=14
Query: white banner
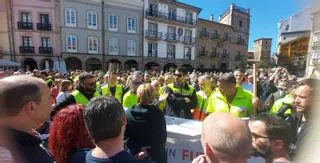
x=183, y=141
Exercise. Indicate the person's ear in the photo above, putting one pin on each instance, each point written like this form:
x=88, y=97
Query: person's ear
x=29, y=108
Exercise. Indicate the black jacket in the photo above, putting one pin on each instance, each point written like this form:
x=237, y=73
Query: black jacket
x=177, y=105
x=146, y=127
x=28, y=148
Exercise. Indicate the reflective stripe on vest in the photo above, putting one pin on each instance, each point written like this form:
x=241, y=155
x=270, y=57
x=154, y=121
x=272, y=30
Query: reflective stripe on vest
x=241, y=105
x=183, y=92
x=288, y=99
x=118, y=94
x=81, y=99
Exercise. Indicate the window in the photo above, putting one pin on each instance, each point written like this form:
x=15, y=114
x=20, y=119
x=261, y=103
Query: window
x=131, y=47
x=92, y=19
x=113, y=46
x=171, y=51
x=71, y=42
x=172, y=14
x=215, y=34
x=189, y=18
x=45, y=42
x=26, y=41
x=70, y=17
x=44, y=18
x=226, y=35
x=131, y=25
x=113, y=22
x=203, y=51
x=214, y=52
x=25, y=17
x=187, y=53
x=171, y=33
x=92, y=45
x=152, y=50
x=240, y=23
x=225, y=52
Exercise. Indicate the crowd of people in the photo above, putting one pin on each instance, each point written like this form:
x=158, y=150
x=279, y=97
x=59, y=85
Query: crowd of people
x=92, y=117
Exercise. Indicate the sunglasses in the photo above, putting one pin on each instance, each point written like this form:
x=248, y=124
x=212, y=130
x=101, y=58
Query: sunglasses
x=178, y=75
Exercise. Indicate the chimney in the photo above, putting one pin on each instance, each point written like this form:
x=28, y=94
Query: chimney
x=211, y=18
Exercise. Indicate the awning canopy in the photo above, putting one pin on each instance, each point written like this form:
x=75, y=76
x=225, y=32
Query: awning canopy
x=7, y=63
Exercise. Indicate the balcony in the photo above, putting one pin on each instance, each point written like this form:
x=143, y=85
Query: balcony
x=153, y=35
x=189, y=40
x=172, y=37
x=204, y=34
x=155, y=14
x=26, y=49
x=43, y=27
x=171, y=55
x=45, y=50
x=25, y=25
x=203, y=53
x=152, y=54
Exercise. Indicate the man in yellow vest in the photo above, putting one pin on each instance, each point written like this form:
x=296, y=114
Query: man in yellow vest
x=130, y=98
x=181, y=96
x=203, y=97
x=112, y=88
x=83, y=93
x=230, y=98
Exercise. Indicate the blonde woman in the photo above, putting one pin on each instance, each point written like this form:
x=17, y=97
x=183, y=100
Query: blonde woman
x=146, y=127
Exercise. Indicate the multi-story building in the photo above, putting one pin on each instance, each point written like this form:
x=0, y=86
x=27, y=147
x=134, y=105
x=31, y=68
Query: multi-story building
x=262, y=49
x=313, y=61
x=35, y=34
x=169, y=34
x=5, y=30
x=223, y=45
x=293, y=40
x=96, y=33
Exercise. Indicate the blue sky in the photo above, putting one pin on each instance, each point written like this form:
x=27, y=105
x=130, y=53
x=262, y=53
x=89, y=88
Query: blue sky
x=264, y=14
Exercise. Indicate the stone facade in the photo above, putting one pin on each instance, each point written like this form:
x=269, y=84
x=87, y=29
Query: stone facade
x=35, y=34
x=223, y=45
x=313, y=60
x=112, y=25
x=262, y=49
x=169, y=34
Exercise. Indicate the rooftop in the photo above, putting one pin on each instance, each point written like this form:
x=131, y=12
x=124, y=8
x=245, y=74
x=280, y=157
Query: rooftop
x=236, y=8
x=262, y=38
x=184, y=5
x=214, y=22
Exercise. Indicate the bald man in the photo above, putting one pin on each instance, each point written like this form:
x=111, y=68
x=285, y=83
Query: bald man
x=24, y=106
x=225, y=139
